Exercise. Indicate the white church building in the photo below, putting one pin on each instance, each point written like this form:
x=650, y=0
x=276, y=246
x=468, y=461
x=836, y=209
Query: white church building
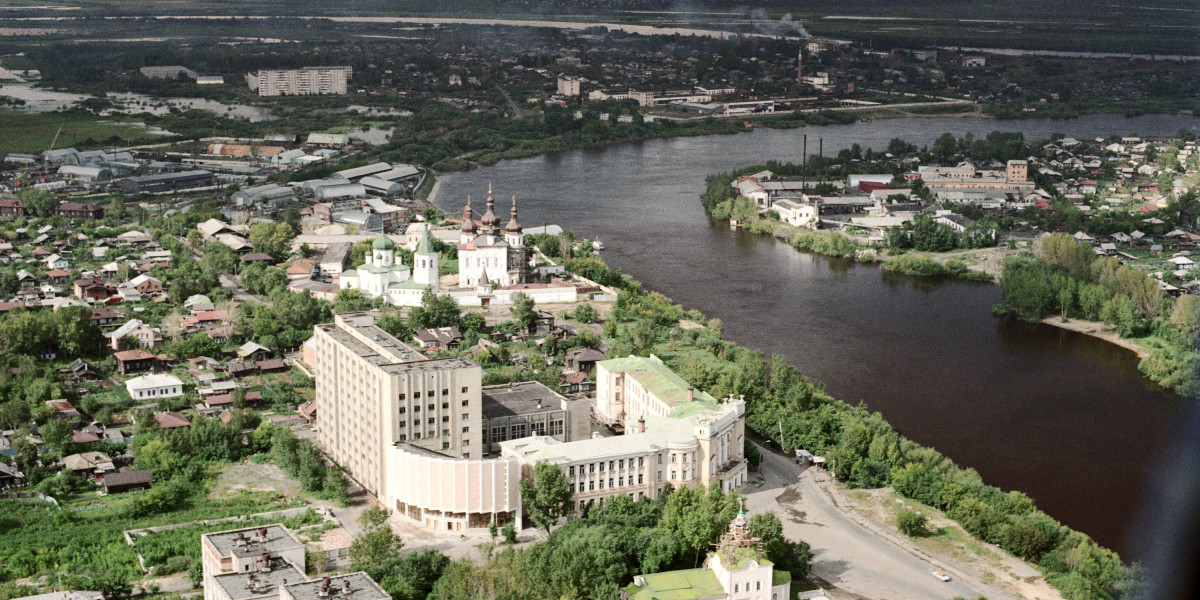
x=382, y=276
x=493, y=266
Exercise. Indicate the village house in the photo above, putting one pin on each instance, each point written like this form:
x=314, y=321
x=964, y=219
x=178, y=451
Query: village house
x=136, y=360
x=126, y=480
x=145, y=284
x=133, y=329
x=155, y=386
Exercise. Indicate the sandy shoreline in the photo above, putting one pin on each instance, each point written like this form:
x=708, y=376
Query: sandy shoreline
x=1096, y=329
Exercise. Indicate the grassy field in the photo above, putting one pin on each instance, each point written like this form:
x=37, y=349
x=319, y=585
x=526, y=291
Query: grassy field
x=32, y=133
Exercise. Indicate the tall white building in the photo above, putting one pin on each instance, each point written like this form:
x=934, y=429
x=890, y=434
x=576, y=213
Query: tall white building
x=568, y=86
x=307, y=81
x=488, y=257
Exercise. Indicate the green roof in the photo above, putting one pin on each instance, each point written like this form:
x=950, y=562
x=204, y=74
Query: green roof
x=780, y=577
x=653, y=375
x=692, y=584
x=409, y=284
x=383, y=242
x=426, y=245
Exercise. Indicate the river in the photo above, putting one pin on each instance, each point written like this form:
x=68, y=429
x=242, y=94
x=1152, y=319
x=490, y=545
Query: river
x=1061, y=416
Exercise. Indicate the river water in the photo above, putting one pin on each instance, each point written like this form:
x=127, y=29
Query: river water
x=1061, y=416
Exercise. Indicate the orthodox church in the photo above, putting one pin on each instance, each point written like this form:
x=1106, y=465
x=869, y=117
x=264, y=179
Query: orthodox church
x=493, y=266
x=383, y=276
x=737, y=570
x=487, y=256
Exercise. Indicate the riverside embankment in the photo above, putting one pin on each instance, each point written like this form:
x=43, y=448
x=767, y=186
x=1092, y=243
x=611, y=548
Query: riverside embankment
x=1062, y=416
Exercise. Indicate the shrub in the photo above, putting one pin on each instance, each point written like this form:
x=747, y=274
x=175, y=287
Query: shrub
x=912, y=523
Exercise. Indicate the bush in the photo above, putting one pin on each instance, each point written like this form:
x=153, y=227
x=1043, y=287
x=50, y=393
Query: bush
x=912, y=523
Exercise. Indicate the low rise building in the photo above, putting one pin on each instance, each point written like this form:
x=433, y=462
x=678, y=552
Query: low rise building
x=153, y=387
x=737, y=570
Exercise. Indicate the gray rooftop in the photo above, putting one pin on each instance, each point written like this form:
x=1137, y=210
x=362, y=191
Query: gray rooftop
x=528, y=397
x=397, y=351
x=278, y=540
x=260, y=583
x=361, y=587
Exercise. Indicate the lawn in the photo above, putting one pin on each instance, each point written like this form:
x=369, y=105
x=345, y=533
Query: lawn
x=32, y=132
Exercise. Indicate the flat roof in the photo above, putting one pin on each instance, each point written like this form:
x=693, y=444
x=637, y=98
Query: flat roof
x=396, y=351
x=278, y=540
x=259, y=583
x=361, y=587
x=527, y=397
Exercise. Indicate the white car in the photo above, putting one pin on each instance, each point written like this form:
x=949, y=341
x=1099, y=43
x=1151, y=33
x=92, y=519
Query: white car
x=941, y=575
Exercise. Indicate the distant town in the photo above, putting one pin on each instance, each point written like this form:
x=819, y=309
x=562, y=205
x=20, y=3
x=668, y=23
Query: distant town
x=246, y=356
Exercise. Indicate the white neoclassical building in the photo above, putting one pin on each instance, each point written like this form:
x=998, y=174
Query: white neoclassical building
x=384, y=276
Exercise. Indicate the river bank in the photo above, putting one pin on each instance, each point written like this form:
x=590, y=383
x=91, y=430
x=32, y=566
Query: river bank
x=1098, y=330
x=980, y=377
x=792, y=411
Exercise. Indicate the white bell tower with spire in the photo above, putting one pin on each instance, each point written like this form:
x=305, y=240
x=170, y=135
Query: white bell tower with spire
x=513, y=235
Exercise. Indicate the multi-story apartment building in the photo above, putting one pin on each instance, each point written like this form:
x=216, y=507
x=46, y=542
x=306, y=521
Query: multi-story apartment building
x=267, y=563
x=568, y=86
x=240, y=552
x=376, y=391
x=307, y=81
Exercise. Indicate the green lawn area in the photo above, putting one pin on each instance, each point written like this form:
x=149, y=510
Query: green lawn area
x=32, y=132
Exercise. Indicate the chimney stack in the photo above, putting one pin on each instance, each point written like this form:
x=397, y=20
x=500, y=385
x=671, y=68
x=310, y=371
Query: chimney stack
x=691, y=393
x=346, y=586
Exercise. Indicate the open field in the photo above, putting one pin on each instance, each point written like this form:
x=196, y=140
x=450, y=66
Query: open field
x=32, y=133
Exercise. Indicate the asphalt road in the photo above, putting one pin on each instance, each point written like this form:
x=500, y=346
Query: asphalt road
x=851, y=558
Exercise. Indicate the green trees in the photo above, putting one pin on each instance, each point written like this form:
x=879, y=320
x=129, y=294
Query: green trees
x=263, y=280
x=794, y=557
x=303, y=461
x=435, y=311
x=548, y=496
x=70, y=329
x=524, y=312
x=698, y=516
x=39, y=203
x=350, y=300
x=377, y=544
x=274, y=239
x=287, y=322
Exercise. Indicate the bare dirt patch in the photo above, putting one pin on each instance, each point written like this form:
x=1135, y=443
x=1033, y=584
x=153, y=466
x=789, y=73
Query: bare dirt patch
x=250, y=477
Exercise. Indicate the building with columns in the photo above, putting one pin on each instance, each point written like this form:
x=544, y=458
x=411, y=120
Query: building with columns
x=700, y=443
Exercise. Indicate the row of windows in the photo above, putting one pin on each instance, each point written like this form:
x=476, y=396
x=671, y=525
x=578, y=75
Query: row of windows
x=757, y=587
x=613, y=465
x=445, y=392
x=620, y=482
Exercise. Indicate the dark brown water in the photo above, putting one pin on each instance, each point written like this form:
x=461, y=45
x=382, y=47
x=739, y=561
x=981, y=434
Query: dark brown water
x=1063, y=417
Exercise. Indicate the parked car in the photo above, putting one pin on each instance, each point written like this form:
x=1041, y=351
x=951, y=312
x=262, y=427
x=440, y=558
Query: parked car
x=942, y=575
